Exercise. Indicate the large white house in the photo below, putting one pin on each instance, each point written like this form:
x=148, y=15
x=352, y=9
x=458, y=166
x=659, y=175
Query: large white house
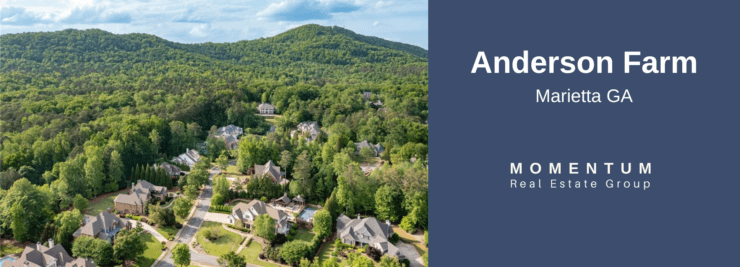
x=266, y=108
x=247, y=213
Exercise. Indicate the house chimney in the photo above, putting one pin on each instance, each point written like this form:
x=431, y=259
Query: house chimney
x=38, y=246
x=358, y=216
x=390, y=228
x=51, y=243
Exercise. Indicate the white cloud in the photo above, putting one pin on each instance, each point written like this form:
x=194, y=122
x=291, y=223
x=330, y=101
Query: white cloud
x=303, y=10
x=13, y=15
x=194, y=21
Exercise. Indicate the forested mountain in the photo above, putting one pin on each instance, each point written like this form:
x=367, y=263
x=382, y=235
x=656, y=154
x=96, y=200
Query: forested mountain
x=80, y=109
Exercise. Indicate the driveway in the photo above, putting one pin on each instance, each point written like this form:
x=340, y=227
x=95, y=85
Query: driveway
x=408, y=251
x=217, y=217
x=189, y=229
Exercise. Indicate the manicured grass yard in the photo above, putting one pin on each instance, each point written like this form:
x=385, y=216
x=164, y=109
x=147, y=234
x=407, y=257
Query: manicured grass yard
x=8, y=249
x=326, y=250
x=168, y=231
x=233, y=171
x=227, y=241
x=180, y=220
x=252, y=253
x=304, y=234
x=95, y=208
x=152, y=252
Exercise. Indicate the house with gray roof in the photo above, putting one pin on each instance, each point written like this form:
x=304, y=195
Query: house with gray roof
x=271, y=170
x=367, y=231
x=137, y=198
x=376, y=148
x=248, y=212
x=172, y=170
x=230, y=135
x=105, y=226
x=266, y=108
x=190, y=157
x=39, y=255
x=231, y=129
x=310, y=128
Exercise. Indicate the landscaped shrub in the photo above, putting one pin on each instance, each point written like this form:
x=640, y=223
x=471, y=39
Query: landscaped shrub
x=279, y=239
x=373, y=253
x=263, y=199
x=406, y=262
x=211, y=234
x=220, y=209
x=394, y=238
x=164, y=243
x=238, y=228
x=134, y=217
x=178, y=225
x=218, y=199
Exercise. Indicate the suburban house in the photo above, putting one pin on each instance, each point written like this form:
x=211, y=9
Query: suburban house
x=230, y=130
x=53, y=256
x=310, y=127
x=368, y=231
x=105, y=226
x=266, y=108
x=135, y=201
x=376, y=148
x=230, y=135
x=271, y=170
x=247, y=213
x=190, y=157
x=172, y=170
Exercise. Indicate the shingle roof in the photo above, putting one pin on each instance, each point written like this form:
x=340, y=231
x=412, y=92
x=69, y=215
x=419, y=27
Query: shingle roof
x=260, y=208
x=99, y=223
x=136, y=199
x=147, y=187
x=266, y=106
x=368, y=230
x=272, y=170
x=41, y=256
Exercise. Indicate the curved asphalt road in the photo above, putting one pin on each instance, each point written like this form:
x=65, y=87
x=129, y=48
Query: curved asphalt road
x=189, y=230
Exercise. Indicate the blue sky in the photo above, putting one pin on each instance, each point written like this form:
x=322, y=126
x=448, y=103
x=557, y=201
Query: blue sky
x=197, y=21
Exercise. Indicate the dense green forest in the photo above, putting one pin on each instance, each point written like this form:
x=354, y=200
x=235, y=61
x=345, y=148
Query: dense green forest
x=81, y=110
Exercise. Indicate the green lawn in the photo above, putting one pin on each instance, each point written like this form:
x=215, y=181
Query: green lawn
x=152, y=252
x=180, y=220
x=326, y=250
x=95, y=208
x=8, y=249
x=305, y=235
x=233, y=171
x=227, y=242
x=168, y=231
x=252, y=252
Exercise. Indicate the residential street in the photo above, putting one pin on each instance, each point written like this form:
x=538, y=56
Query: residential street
x=189, y=230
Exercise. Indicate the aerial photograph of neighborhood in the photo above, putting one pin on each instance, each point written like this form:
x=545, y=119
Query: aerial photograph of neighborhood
x=189, y=133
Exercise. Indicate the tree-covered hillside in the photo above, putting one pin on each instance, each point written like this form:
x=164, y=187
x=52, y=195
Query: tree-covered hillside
x=81, y=110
